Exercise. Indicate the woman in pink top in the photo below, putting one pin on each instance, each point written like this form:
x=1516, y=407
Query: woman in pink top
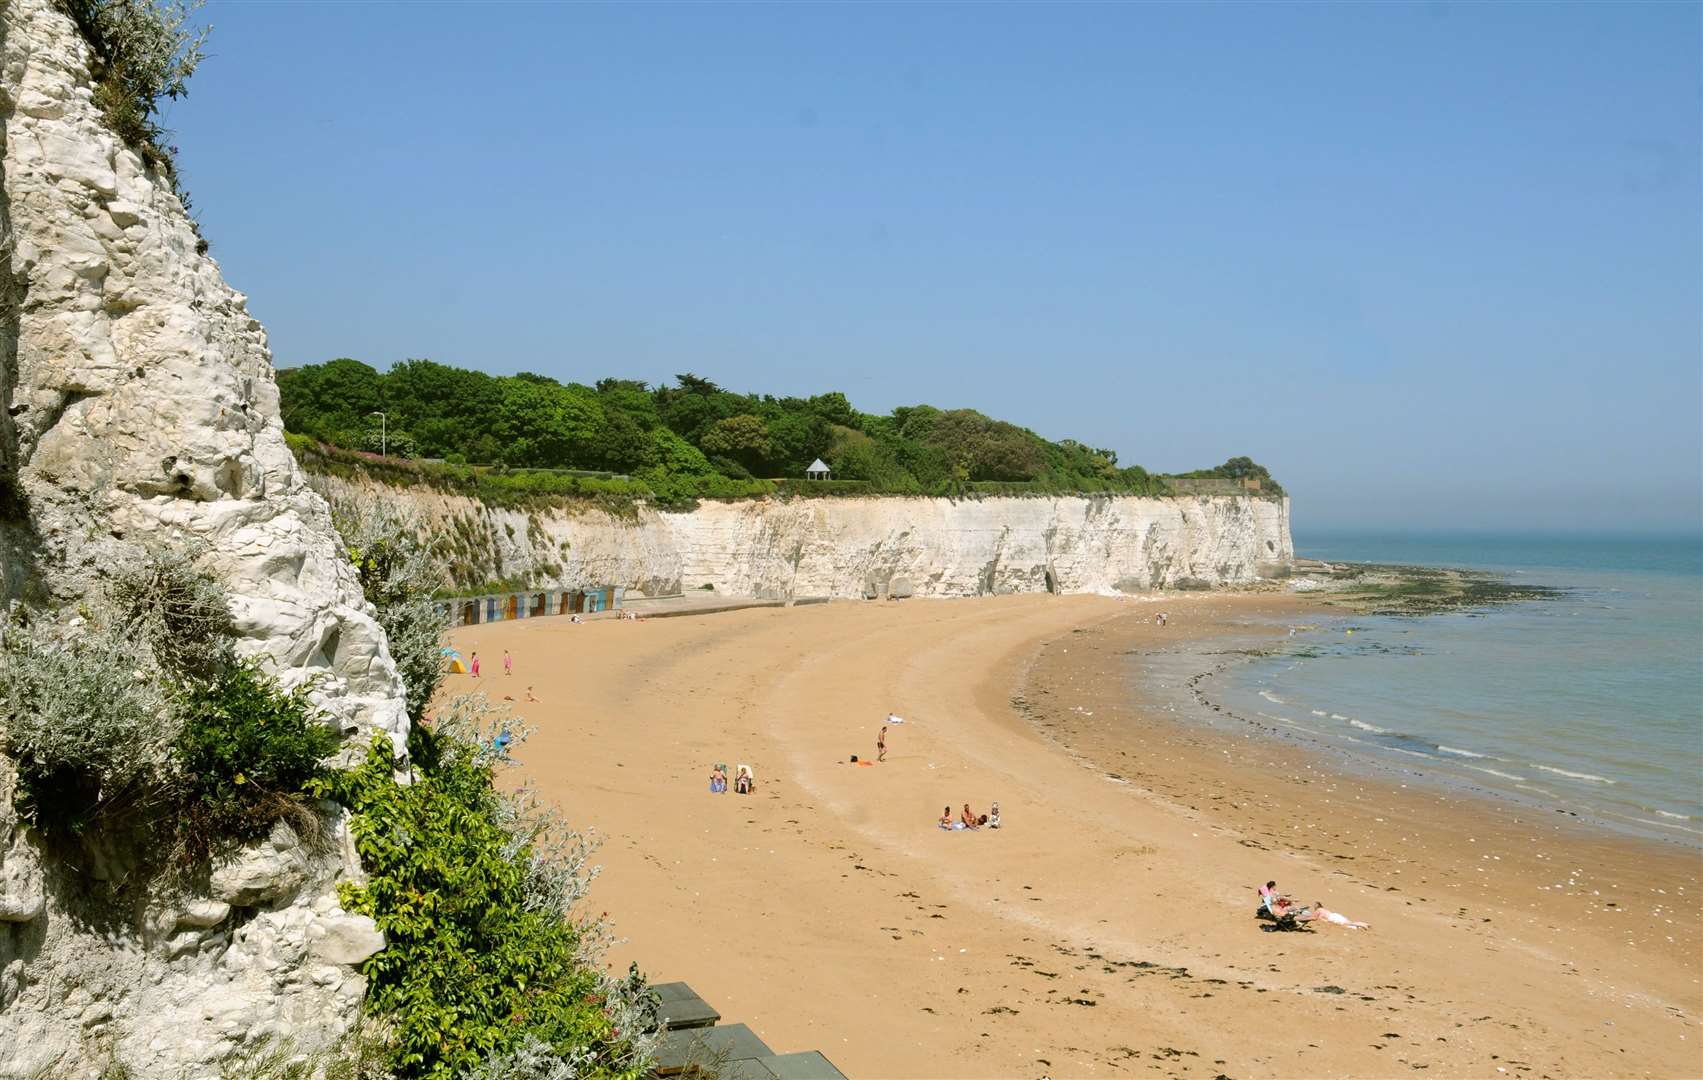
x=1322, y=912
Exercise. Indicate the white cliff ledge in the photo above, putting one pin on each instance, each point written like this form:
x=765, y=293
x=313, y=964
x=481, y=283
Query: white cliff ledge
x=854, y=547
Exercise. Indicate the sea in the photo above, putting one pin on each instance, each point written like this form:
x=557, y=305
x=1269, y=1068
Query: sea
x=1590, y=703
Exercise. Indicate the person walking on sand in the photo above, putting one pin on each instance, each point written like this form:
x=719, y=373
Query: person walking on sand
x=881, y=744
x=508, y=663
x=474, y=667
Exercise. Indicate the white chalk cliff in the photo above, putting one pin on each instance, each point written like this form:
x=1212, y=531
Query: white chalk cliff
x=857, y=547
x=139, y=405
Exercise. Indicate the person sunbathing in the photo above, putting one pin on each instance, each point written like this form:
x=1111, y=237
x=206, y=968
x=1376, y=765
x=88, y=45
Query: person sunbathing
x=969, y=818
x=1322, y=912
x=743, y=780
x=993, y=817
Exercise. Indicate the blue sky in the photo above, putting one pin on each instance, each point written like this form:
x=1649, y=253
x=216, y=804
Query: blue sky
x=1437, y=265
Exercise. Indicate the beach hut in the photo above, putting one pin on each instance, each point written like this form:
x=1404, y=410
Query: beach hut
x=818, y=470
x=593, y=599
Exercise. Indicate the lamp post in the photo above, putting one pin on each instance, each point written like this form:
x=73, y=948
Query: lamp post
x=383, y=433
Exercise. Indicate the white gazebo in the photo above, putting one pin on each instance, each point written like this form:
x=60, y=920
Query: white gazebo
x=818, y=470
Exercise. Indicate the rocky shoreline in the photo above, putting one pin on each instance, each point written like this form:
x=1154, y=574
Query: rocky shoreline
x=1396, y=589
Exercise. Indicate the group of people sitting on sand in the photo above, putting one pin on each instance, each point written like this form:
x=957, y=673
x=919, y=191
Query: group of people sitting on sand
x=969, y=819
x=1281, y=910
x=744, y=780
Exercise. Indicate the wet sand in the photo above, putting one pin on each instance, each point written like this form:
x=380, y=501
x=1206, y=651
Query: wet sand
x=1106, y=929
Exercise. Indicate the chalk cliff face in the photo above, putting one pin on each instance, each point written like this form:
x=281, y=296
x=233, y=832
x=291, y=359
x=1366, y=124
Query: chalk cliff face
x=854, y=547
x=140, y=407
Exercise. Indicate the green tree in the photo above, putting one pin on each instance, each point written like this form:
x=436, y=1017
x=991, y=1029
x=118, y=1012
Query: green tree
x=542, y=423
x=795, y=440
x=834, y=409
x=743, y=438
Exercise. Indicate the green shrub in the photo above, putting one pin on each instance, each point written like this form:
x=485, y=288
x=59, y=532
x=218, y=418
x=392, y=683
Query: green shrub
x=137, y=717
x=143, y=51
x=84, y=721
x=483, y=962
x=247, y=750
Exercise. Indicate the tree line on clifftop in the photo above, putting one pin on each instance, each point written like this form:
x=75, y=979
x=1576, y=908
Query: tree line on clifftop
x=694, y=439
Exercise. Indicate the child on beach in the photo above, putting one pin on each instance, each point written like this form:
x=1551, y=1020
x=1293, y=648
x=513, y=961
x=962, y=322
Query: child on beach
x=993, y=817
x=474, y=667
x=508, y=663
x=881, y=745
x=969, y=818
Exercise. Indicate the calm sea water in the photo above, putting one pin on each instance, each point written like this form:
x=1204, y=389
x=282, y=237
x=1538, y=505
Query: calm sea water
x=1591, y=703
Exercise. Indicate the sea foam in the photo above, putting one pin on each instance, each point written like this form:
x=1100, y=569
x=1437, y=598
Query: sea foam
x=1458, y=752
x=1496, y=772
x=1588, y=777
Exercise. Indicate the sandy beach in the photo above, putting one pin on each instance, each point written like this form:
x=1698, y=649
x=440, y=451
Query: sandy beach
x=1107, y=928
